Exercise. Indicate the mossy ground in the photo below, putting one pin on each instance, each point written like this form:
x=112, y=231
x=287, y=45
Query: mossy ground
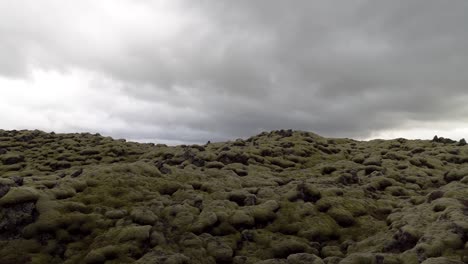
x=278, y=197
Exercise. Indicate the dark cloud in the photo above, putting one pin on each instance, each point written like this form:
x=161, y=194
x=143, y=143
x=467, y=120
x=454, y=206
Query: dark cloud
x=227, y=69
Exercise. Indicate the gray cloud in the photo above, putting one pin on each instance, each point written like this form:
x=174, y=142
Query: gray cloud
x=225, y=69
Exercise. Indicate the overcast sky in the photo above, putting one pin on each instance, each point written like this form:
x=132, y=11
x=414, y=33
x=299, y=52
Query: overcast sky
x=190, y=71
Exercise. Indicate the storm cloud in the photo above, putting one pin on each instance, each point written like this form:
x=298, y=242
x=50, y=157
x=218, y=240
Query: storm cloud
x=185, y=71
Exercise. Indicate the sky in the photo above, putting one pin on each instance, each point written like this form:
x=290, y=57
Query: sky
x=178, y=71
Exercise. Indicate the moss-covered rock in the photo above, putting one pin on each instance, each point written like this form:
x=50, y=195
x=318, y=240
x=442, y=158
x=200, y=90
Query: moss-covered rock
x=116, y=214
x=241, y=219
x=100, y=255
x=341, y=216
x=220, y=251
x=279, y=197
x=135, y=233
x=456, y=174
x=11, y=158
x=18, y=195
x=441, y=260
x=205, y=220
x=143, y=216
x=284, y=248
x=302, y=258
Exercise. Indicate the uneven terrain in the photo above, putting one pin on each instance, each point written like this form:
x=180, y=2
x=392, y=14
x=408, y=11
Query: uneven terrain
x=280, y=197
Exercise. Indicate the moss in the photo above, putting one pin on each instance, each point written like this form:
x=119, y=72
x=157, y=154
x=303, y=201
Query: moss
x=49, y=183
x=100, y=255
x=143, y=216
x=78, y=185
x=214, y=165
x=89, y=151
x=272, y=261
x=286, y=247
x=18, y=195
x=331, y=251
x=76, y=207
x=359, y=158
x=59, y=165
x=220, y=251
x=359, y=258
x=301, y=258
x=241, y=219
x=157, y=238
x=397, y=191
x=63, y=192
x=341, y=216
x=265, y=212
x=282, y=162
x=373, y=168
x=353, y=205
x=237, y=168
x=6, y=182
x=163, y=257
x=340, y=213
x=327, y=169
x=440, y=260
x=137, y=233
x=456, y=175
x=320, y=228
x=18, y=251
x=206, y=220
x=373, y=160
x=238, y=196
x=288, y=219
x=116, y=214
x=169, y=188
x=12, y=158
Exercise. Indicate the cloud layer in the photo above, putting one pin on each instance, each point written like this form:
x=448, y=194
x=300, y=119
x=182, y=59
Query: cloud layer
x=176, y=71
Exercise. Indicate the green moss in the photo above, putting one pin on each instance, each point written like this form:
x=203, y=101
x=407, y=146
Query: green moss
x=331, y=251
x=241, y=219
x=17, y=195
x=264, y=212
x=373, y=160
x=18, y=250
x=301, y=258
x=456, y=175
x=368, y=197
x=220, y=251
x=283, y=163
x=116, y=214
x=143, y=216
x=214, y=165
x=12, y=158
x=63, y=192
x=102, y=254
x=137, y=233
x=341, y=216
x=206, y=220
x=76, y=207
x=169, y=188
x=320, y=228
x=78, y=185
x=289, y=217
x=285, y=247
x=359, y=258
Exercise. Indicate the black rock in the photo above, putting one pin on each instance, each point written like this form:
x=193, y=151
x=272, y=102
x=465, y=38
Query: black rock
x=77, y=173
x=18, y=180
